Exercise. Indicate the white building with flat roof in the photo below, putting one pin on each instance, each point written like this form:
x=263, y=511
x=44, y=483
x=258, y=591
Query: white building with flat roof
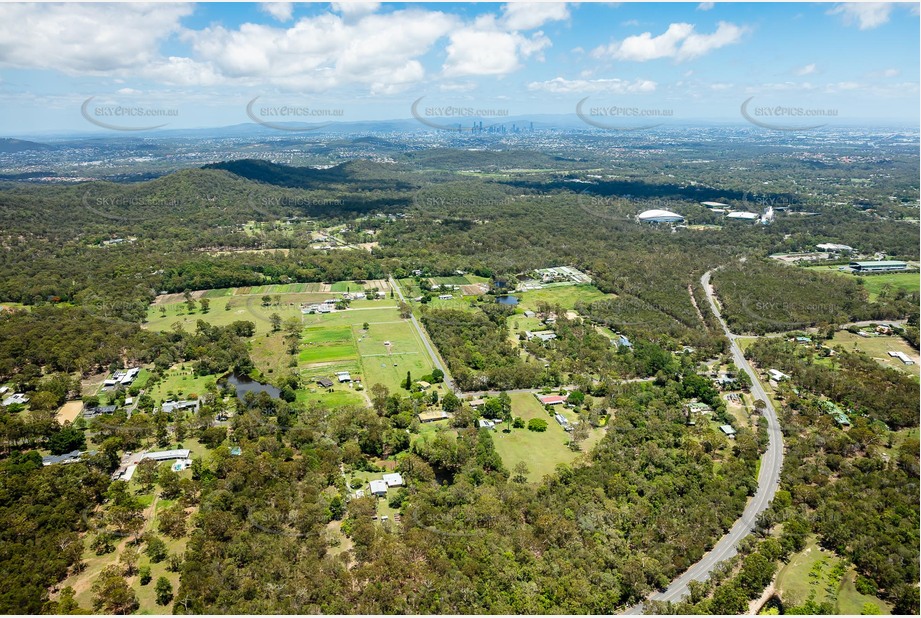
x=393, y=480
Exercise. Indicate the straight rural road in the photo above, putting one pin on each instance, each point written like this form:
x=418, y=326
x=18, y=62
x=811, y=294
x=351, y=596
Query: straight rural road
x=436, y=360
x=768, y=479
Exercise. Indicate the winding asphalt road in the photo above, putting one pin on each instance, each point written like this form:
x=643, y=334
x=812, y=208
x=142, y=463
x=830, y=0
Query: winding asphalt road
x=768, y=480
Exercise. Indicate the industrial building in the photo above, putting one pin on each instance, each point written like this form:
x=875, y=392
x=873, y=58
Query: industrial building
x=743, y=216
x=878, y=267
x=830, y=247
x=659, y=216
x=902, y=356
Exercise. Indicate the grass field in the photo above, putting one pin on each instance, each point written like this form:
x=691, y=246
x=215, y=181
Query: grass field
x=345, y=340
x=388, y=364
x=181, y=381
x=813, y=570
x=794, y=582
x=878, y=348
x=541, y=451
x=330, y=342
x=874, y=284
x=851, y=602
x=564, y=295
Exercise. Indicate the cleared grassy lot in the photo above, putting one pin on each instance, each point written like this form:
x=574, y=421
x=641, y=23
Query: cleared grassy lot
x=822, y=573
x=182, y=382
x=878, y=348
x=340, y=336
x=540, y=451
x=562, y=294
x=874, y=284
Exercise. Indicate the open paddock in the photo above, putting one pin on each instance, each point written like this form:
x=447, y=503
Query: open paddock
x=69, y=412
x=878, y=347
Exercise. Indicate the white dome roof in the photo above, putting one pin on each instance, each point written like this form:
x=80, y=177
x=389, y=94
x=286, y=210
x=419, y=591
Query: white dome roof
x=659, y=215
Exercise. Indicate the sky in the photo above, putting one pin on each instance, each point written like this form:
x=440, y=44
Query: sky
x=188, y=65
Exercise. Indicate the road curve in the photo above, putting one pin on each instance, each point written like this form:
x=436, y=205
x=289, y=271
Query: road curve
x=436, y=360
x=768, y=480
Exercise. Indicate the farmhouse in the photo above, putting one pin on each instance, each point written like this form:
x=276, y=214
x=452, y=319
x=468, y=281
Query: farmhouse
x=325, y=382
x=445, y=297
x=15, y=398
x=98, y=411
x=622, y=341
x=66, y=458
x=424, y=385
x=836, y=412
x=728, y=430
x=171, y=406
x=485, y=423
x=552, y=400
x=378, y=488
x=878, y=267
x=697, y=407
x=543, y=335
x=476, y=403
x=343, y=376
x=430, y=417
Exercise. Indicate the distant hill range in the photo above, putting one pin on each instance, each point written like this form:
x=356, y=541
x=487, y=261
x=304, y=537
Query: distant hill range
x=8, y=145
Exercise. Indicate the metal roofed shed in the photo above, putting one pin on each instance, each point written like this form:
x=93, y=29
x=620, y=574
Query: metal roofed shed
x=178, y=453
x=728, y=430
x=744, y=216
x=880, y=266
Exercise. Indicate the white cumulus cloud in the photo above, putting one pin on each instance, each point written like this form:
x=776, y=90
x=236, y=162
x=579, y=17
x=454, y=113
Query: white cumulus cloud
x=530, y=15
x=867, y=15
x=90, y=39
x=679, y=41
x=282, y=11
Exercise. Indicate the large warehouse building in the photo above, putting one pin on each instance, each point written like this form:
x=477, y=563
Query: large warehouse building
x=878, y=267
x=743, y=216
x=659, y=216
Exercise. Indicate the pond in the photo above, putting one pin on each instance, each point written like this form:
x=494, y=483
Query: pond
x=244, y=384
x=507, y=300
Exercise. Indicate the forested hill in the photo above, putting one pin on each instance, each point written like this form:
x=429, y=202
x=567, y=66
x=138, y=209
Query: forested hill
x=357, y=174
x=8, y=145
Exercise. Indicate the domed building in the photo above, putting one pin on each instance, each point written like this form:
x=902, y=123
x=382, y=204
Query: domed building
x=659, y=216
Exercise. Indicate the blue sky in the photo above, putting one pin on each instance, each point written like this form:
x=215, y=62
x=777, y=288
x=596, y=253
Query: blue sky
x=364, y=61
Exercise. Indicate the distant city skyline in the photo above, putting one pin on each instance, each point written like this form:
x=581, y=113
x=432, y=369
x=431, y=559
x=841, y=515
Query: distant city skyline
x=123, y=67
